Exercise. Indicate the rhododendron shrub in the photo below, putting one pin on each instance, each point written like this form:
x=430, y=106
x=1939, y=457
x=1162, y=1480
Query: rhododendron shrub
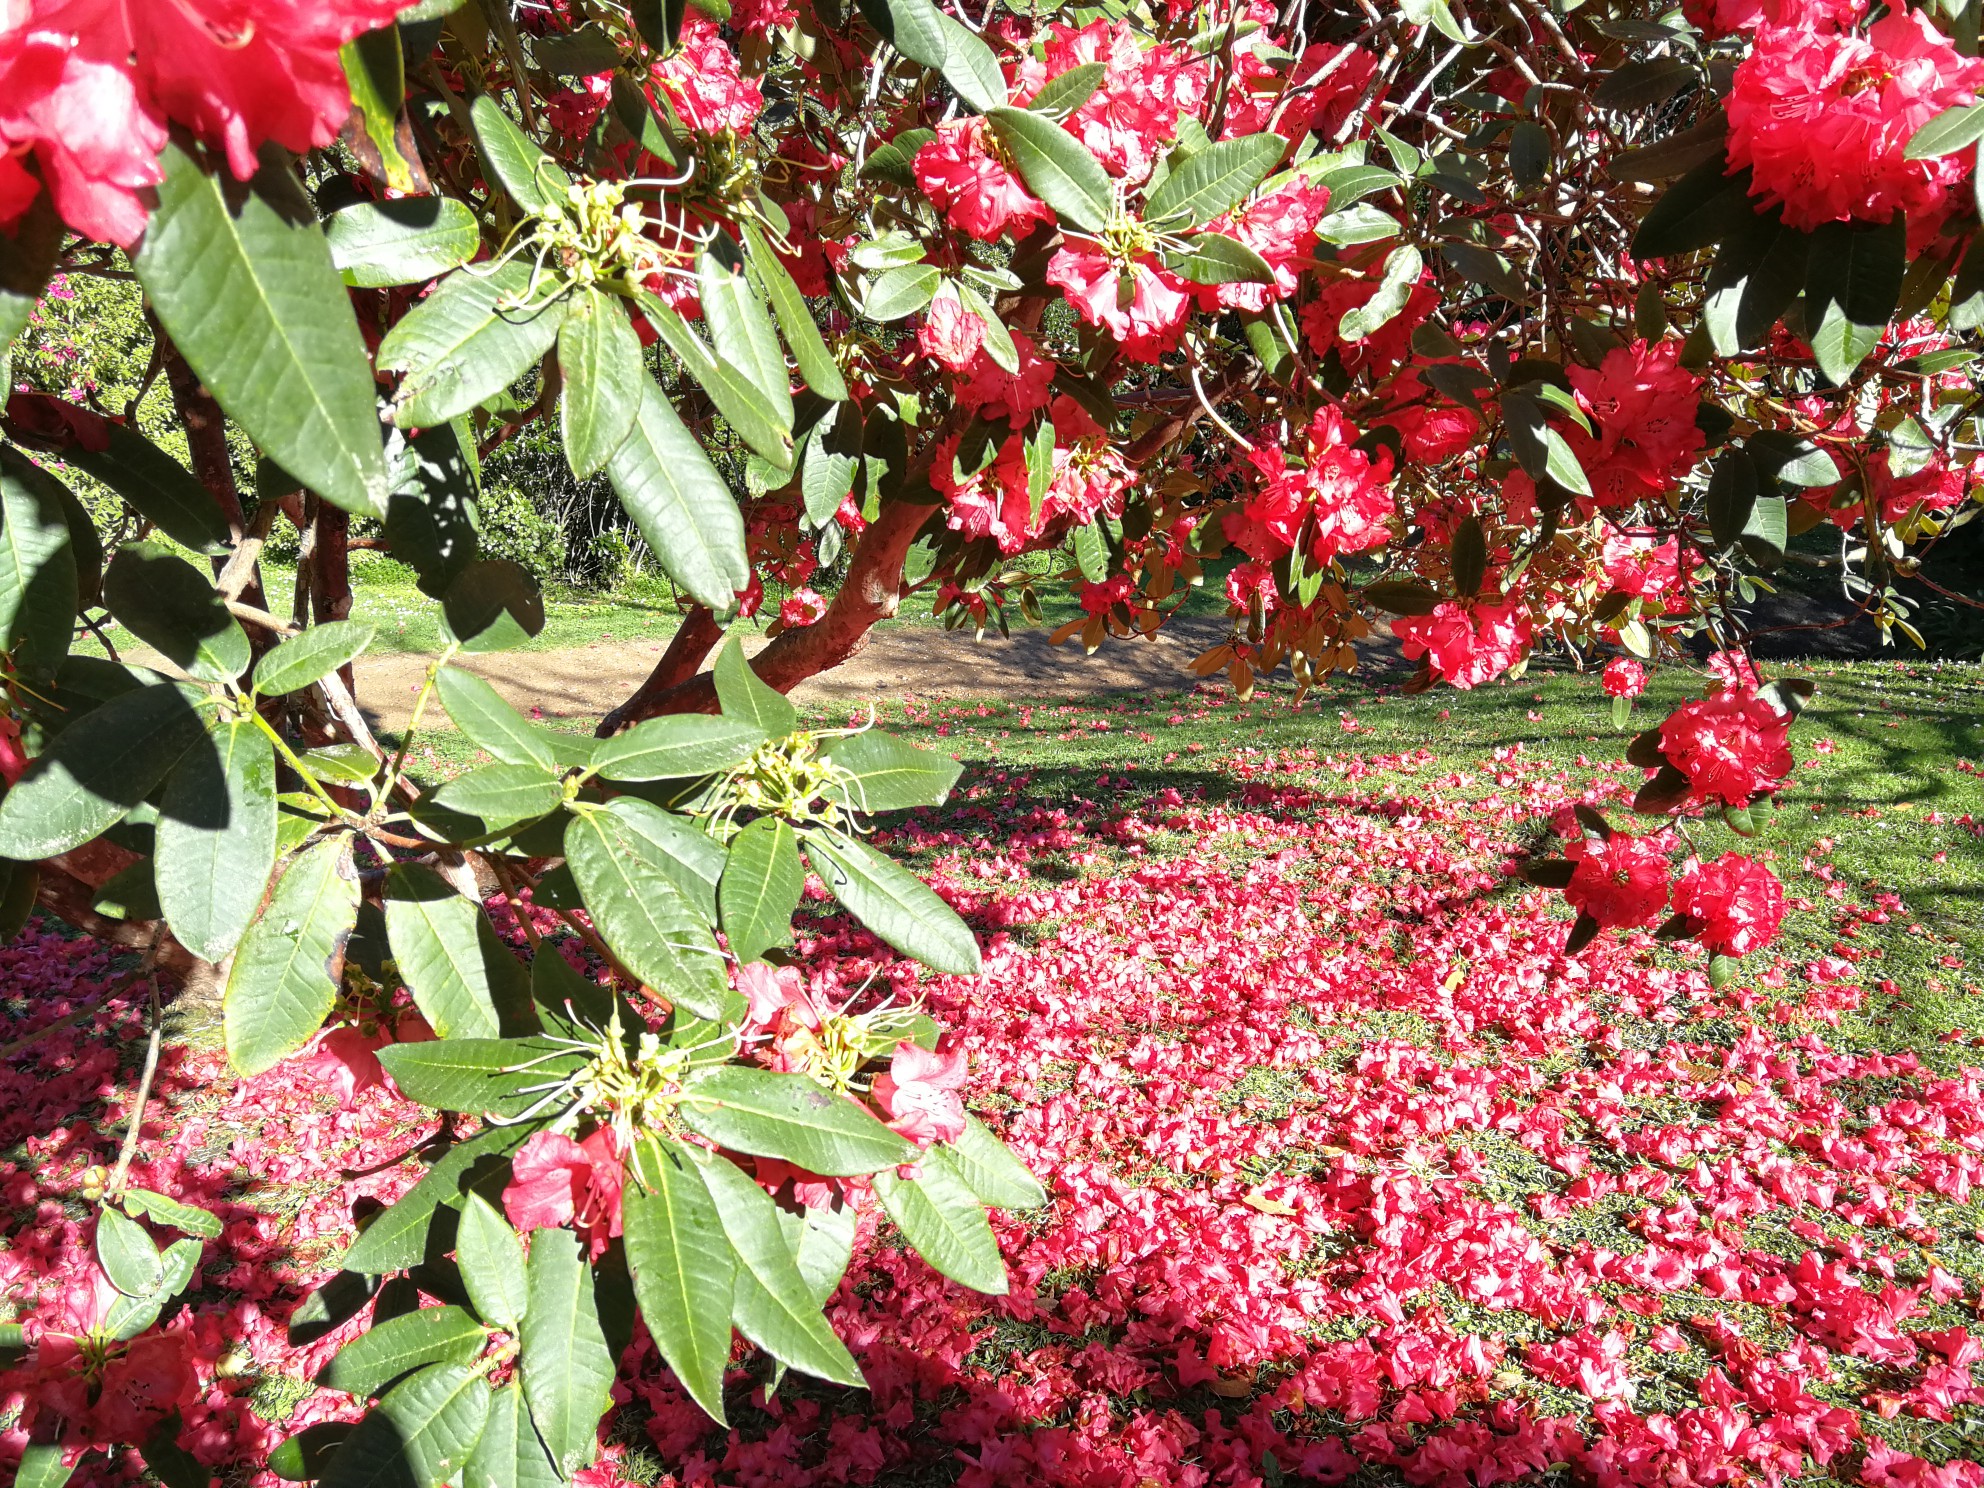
x=1504, y=329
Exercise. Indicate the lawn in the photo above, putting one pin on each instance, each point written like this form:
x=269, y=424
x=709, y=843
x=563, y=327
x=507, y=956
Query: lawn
x=1355, y=1177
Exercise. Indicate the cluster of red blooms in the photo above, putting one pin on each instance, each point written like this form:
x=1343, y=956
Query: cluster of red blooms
x=89, y=87
x=1191, y=1302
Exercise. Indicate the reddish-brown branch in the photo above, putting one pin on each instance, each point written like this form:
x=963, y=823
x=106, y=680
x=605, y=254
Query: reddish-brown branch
x=206, y=435
x=684, y=657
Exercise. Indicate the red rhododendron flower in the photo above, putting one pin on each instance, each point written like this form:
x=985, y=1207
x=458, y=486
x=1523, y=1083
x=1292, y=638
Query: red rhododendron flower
x=1249, y=582
x=1341, y=494
x=1146, y=320
x=1728, y=17
x=1282, y=229
x=1635, y=565
x=1733, y=905
x=1320, y=90
x=920, y=1093
x=13, y=758
x=149, y=1380
x=992, y=502
x=1014, y=396
x=89, y=85
x=1467, y=646
x=1099, y=599
x=801, y=608
x=703, y=81
x=1823, y=120
x=1642, y=403
x=1384, y=348
x=950, y=334
x=1431, y=428
x=555, y=1181
x=1623, y=677
x=1730, y=746
x=967, y=175
x=1620, y=881
x=1133, y=113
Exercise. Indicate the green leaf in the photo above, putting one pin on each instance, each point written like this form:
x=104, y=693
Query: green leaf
x=38, y=577
x=169, y=1211
x=1757, y=274
x=41, y=1466
x=1542, y=452
x=96, y=770
x=752, y=414
x=1785, y=457
x=311, y=656
x=891, y=774
x=894, y=903
x=761, y=885
x=1484, y=267
x=461, y=974
x=241, y=278
x=492, y=1263
x=395, y=1239
x=1214, y=258
x=432, y=1335
x=127, y=1254
x=375, y=70
x=1852, y=285
x=992, y=1172
x=825, y=477
x=692, y=859
x=1951, y=130
x=825, y=1246
x=1349, y=184
x=28, y=254
x=1732, y=496
x=1358, y=223
x=788, y=1116
x=599, y=357
x=567, y=1371
x=531, y=177
x=156, y=486
x=407, y=241
x=684, y=1267
x=491, y=724
x=171, y=606
x=1403, y=266
x=510, y=1454
x=899, y=292
x=676, y=748
x=468, y=341
x=626, y=882
x=945, y=1223
x=492, y=605
x=746, y=698
x=307, y=1455
x=893, y=161
x=913, y=27
x=430, y=512
x=286, y=973
x=419, y=1436
x=217, y=838
x=1767, y=530
x=971, y=67
x=1697, y=211
x=1057, y=167
x=741, y=330
x=1215, y=180
x=1065, y=92
x=503, y=796
x=1435, y=13
x=1530, y=150
x=681, y=505
x=481, y=1076
x=1644, y=85
x=771, y=1302
x=809, y=347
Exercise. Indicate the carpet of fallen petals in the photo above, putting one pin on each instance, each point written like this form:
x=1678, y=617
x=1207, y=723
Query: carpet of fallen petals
x=1355, y=1178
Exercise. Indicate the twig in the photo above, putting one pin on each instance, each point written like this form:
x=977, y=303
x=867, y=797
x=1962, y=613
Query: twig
x=130, y=1148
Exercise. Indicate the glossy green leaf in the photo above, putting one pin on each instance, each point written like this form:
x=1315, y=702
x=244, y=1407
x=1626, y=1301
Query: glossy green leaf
x=1215, y=180
x=649, y=925
x=461, y=974
x=375, y=70
x=492, y=1263
x=531, y=177
x=752, y=414
x=492, y=605
x=991, y=1171
x=913, y=27
x=127, y=1254
x=1067, y=91
x=567, y=1370
x=970, y=66
x=419, y=1436
x=307, y=1455
x=1697, y=211
x=681, y=505
x=599, y=357
x=311, y=656
x=1852, y=285
x=1539, y=448
x=510, y=1453
x=286, y=971
x=1402, y=269
x=1057, y=167
x=171, y=606
x=96, y=770
x=944, y=1222
x=29, y=249
x=691, y=859
x=503, y=796
x=405, y=241
x=377, y=1357
x=190, y=1218
x=894, y=903
x=1951, y=130
x=746, y=698
x=809, y=348
x=481, y=1076
x=1214, y=258
x=899, y=292
x=762, y=881
x=891, y=774
x=396, y=1238
x=770, y=1302
x=156, y=486
x=217, y=838
x=676, y=748
x=741, y=328
x=683, y=1265
x=468, y=341
x=788, y=1116
x=491, y=724
x=38, y=578
x=41, y=1466
x=240, y=275
x=430, y=511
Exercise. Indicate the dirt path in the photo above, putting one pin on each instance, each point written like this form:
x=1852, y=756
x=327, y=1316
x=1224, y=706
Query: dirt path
x=898, y=662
